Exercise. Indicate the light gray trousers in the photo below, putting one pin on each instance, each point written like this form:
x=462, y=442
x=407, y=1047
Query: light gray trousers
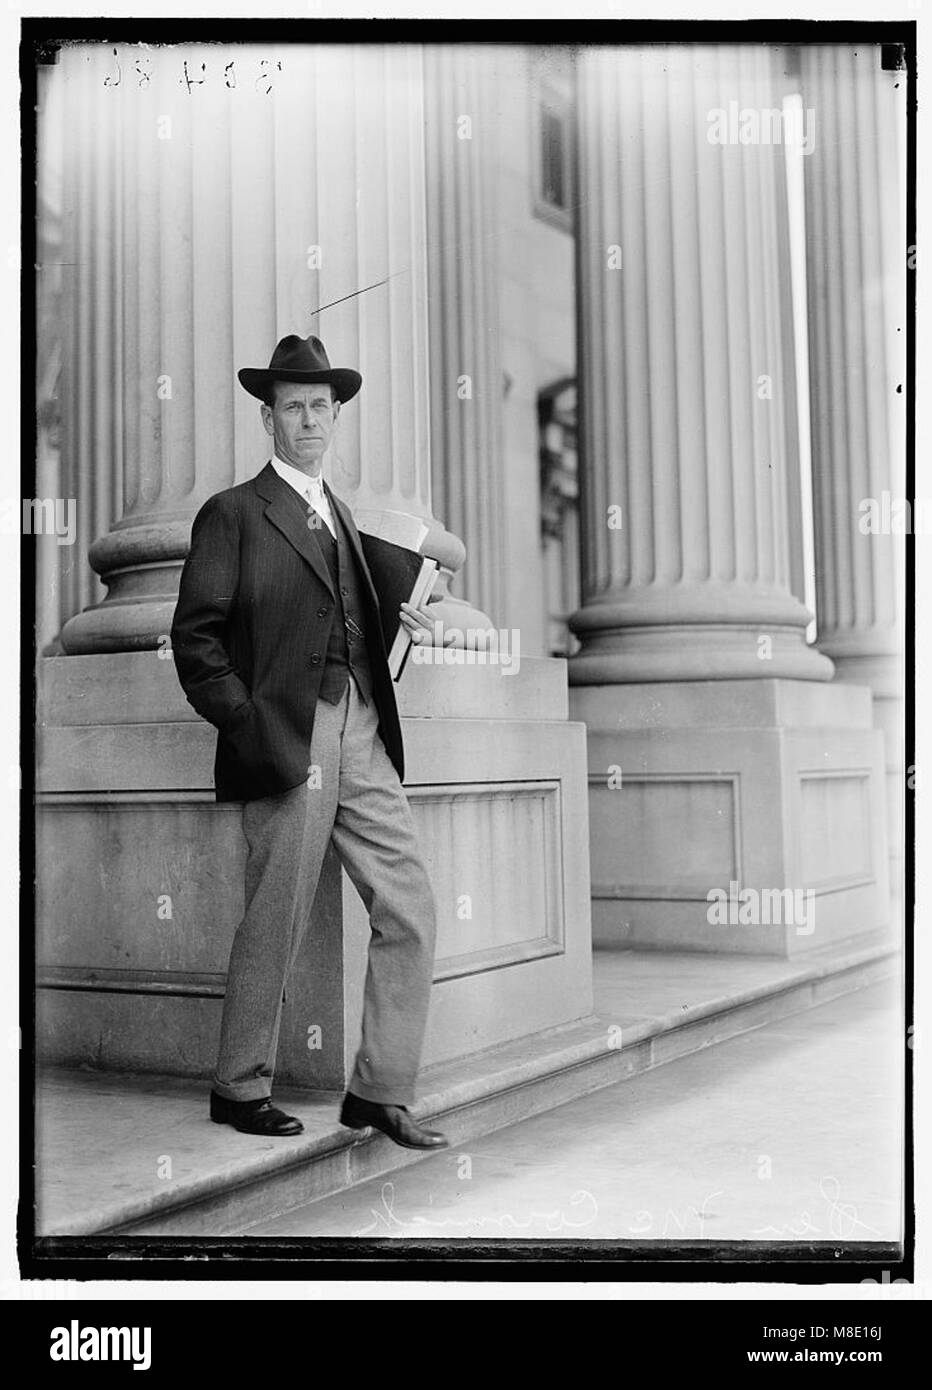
x=353, y=796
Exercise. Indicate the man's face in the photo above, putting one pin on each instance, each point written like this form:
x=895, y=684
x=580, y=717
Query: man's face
x=301, y=422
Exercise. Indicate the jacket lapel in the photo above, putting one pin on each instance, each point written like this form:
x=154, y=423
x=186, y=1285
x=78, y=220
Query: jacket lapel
x=285, y=513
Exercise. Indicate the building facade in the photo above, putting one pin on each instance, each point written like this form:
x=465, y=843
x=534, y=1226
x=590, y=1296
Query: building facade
x=631, y=324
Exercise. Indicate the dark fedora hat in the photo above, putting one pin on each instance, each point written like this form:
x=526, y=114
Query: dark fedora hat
x=301, y=360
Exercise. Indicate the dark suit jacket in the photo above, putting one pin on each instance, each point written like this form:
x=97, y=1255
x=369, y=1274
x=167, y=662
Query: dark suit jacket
x=250, y=630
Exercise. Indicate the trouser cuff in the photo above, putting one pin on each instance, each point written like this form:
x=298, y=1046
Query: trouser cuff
x=381, y=1095
x=245, y=1090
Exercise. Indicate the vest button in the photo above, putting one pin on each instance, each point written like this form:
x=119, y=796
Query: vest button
x=315, y=658
x=322, y=612
x=344, y=592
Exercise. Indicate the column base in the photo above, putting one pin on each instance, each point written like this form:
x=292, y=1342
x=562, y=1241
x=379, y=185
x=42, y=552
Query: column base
x=141, y=566
x=120, y=626
x=696, y=652
x=743, y=817
x=708, y=631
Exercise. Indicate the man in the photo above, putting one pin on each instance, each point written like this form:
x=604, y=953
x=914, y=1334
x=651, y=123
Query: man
x=278, y=643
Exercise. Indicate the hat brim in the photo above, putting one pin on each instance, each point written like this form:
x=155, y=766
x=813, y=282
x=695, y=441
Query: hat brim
x=344, y=380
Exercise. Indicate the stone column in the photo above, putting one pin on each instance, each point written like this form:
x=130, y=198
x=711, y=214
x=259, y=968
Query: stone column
x=686, y=439
x=722, y=757
x=857, y=266
x=236, y=192
x=466, y=375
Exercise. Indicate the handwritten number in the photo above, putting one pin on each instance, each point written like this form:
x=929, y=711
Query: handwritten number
x=109, y=81
x=264, y=64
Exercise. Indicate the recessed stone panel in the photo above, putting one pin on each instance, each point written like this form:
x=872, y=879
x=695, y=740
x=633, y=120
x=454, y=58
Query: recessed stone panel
x=493, y=909
x=147, y=885
x=835, y=829
x=663, y=836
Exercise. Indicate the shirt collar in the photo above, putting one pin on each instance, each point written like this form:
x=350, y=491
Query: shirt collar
x=296, y=479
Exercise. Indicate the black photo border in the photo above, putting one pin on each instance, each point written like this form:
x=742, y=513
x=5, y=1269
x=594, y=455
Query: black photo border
x=258, y=1258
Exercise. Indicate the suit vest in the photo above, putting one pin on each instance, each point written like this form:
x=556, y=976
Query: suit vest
x=347, y=650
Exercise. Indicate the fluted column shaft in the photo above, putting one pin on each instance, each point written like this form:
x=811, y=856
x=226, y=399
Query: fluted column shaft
x=217, y=199
x=688, y=442
x=855, y=184
x=466, y=377
x=856, y=272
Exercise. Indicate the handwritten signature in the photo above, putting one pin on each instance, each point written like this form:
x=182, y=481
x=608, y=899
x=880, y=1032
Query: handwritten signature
x=843, y=1221
x=670, y=1216
x=385, y=1218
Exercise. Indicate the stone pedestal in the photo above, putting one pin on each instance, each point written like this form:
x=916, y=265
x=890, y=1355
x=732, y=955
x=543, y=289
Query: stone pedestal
x=142, y=882
x=768, y=793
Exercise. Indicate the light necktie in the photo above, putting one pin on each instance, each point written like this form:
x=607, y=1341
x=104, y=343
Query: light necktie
x=317, y=500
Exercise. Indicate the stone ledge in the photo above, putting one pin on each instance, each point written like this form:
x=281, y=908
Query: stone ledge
x=764, y=703
x=142, y=688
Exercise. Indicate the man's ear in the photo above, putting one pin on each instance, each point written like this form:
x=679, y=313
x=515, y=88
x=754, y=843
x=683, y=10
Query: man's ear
x=266, y=412
x=336, y=411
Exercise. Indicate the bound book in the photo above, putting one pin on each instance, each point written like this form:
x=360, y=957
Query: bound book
x=400, y=576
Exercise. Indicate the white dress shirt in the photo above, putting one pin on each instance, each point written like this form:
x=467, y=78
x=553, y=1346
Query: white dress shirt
x=311, y=489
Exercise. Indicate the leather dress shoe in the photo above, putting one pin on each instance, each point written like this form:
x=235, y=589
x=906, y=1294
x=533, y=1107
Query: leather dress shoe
x=253, y=1116
x=392, y=1120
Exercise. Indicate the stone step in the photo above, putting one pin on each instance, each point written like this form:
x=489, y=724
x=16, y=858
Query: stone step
x=138, y=1155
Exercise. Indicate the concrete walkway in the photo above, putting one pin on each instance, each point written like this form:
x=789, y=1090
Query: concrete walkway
x=793, y=1131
